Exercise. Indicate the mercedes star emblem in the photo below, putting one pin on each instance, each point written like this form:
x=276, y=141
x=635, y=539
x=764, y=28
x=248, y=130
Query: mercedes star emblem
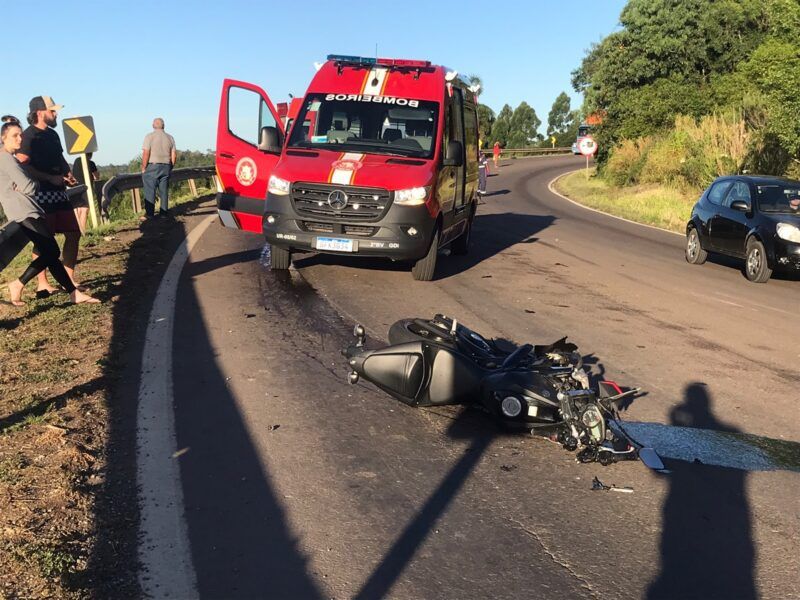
x=337, y=199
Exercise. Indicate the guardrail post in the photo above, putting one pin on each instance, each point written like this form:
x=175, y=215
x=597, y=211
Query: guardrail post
x=193, y=188
x=137, y=201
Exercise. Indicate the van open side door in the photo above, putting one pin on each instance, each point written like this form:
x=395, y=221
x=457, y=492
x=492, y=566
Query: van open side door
x=249, y=139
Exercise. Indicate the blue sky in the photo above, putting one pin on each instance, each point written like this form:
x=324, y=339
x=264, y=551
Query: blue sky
x=126, y=62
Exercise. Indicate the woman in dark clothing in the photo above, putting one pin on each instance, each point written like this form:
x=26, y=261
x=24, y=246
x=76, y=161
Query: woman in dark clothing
x=16, y=191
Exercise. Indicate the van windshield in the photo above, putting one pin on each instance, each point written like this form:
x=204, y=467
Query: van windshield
x=370, y=124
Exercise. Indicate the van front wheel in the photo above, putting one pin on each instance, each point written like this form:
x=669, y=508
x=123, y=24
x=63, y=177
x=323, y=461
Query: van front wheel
x=425, y=267
x=279, y=258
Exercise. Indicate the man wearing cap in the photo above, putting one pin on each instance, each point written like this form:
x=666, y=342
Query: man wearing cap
x=158, y=158
x=43, y=158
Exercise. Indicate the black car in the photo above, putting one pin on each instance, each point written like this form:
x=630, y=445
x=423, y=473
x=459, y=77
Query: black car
x=752, y=217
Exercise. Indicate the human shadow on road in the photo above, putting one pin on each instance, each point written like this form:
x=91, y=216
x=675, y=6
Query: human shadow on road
x=242, y=545
x=707, y=549
x=402, y=551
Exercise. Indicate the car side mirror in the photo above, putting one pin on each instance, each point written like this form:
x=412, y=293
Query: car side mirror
x=454, y=155
x=270, y=140
x=740, y=205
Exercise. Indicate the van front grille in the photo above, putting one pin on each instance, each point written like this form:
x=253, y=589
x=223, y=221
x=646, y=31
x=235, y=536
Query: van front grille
x=363, y=204
x=339, y=228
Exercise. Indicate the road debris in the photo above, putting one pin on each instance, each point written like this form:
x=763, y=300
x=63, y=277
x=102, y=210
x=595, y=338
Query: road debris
x=599, y=485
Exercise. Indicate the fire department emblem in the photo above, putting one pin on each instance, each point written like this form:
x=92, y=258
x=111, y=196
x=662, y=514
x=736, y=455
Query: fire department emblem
x=346, y=164
x=246, y=171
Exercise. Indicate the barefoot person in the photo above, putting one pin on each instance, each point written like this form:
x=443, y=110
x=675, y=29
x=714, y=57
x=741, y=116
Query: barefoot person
x=16, y=192
x=43, y=157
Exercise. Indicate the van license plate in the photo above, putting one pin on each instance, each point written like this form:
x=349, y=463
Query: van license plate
x=335, y=244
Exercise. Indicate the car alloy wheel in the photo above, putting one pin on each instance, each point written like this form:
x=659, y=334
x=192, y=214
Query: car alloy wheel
x=756, y=268
x=694, y=251
x=753, y=261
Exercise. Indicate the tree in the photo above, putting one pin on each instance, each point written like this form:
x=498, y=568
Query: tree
x=486, y=121
x=501, y=128
x=775, y=67
x=665, y=45
x=524, y=126
x=560, y=117
x=475, y=80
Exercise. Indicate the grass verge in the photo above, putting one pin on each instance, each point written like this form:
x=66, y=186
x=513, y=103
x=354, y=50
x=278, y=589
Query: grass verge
x=63, y=531
x=650, y=204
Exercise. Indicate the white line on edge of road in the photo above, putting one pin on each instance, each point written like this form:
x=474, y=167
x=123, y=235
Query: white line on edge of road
x=552, y=189
x=164, y=552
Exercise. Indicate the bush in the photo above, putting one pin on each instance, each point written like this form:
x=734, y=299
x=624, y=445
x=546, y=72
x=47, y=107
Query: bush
x=626, y=161
x=688, y=157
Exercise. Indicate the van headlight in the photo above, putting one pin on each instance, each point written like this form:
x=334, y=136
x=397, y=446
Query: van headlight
x=788, y=232
x=411, y=196
x=278, y=186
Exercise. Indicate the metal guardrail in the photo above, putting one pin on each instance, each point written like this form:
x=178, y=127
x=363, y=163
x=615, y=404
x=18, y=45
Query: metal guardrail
x=133, y=181
x=527, y=151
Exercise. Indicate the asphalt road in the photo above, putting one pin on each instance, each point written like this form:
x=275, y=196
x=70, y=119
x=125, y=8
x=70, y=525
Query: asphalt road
x=298, y=485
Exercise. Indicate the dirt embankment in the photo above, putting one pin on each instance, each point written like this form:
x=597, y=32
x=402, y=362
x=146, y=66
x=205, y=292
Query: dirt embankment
x=68, y=388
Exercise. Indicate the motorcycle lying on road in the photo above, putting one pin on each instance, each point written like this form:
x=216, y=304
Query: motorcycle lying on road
x=543, y=389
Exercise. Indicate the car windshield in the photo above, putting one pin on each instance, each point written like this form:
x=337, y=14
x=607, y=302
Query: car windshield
x=779, y=198
x=370, y=124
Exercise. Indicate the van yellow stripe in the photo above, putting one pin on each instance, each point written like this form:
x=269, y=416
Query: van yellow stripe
x=332, y=171
x=385, y=81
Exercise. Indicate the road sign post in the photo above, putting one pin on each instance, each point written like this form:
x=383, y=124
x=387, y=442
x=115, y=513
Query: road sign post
x=588, y=147
x=80, y=138
x=87, y=177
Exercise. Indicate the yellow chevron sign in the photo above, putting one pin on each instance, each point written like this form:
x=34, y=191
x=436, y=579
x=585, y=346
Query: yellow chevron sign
x=79, y=136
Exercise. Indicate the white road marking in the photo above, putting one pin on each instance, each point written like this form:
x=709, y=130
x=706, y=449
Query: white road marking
x=164, y=552
x=758, y=305
x=552, y=189
x=729, y=303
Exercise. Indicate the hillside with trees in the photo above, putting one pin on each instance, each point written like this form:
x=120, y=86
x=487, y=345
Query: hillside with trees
x=692, y=89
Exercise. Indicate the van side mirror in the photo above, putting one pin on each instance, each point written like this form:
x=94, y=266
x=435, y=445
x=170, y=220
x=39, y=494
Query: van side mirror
x=270, y=140
x=740, y=205
x=454, y=155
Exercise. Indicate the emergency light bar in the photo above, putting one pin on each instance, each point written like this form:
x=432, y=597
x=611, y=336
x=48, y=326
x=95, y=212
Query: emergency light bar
x=384, y=62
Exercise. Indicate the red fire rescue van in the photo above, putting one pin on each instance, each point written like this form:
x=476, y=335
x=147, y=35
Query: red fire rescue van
x=380, y=160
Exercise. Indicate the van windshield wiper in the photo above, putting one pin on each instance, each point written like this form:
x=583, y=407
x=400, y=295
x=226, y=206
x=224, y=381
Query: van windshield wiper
x=380, y=149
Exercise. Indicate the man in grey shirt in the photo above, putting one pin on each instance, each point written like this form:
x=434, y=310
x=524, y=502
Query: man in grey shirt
x=158, y=158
